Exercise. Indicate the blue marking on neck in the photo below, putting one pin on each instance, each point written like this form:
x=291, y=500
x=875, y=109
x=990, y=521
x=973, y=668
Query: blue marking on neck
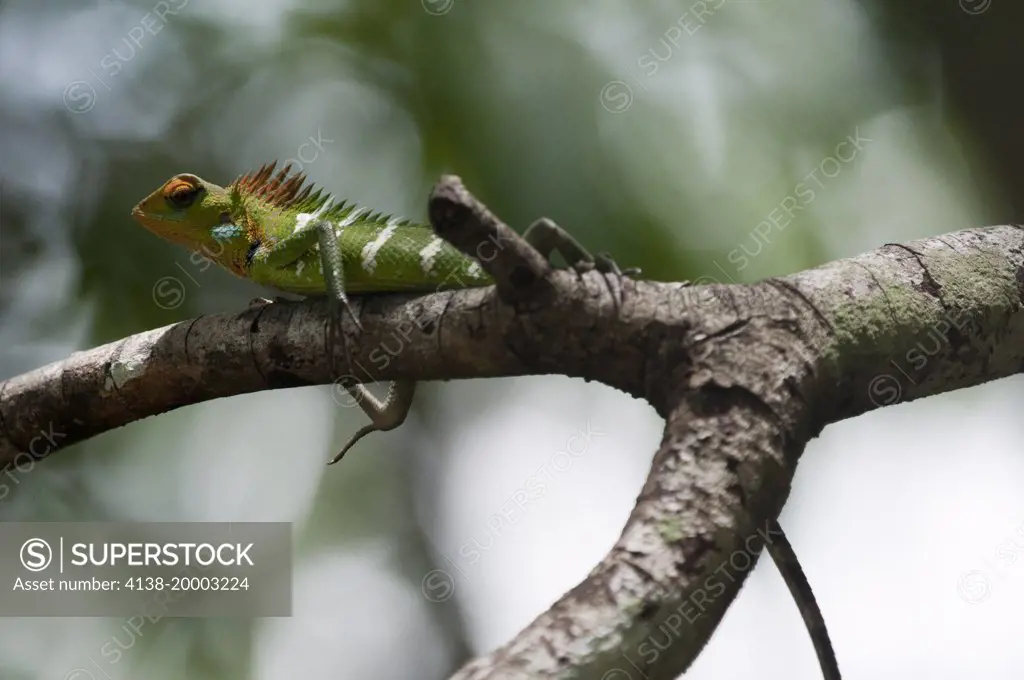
x=226, y=232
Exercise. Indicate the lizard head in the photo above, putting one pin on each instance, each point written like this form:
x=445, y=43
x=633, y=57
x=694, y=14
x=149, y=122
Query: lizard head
x=189, y=211
x=225, y=223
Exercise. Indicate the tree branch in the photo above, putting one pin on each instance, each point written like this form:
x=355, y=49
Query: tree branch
x=744, y=376
x=518, y=270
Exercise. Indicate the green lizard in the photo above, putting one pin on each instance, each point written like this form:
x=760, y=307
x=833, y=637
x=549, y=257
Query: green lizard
x=278, y=232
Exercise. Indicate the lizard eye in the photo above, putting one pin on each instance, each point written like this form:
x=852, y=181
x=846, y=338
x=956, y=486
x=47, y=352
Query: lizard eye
x=181, y=194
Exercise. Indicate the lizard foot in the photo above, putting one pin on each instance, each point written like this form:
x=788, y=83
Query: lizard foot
x=610, y=271
x=546, y=237
x=384, y=415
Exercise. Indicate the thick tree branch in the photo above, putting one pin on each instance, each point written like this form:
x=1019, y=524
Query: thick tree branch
x=744, y=375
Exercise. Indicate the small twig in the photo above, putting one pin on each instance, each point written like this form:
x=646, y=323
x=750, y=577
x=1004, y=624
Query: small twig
x=462, y=220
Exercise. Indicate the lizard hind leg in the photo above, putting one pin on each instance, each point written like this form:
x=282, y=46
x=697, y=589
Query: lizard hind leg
x=384, y=415
x=546, y=237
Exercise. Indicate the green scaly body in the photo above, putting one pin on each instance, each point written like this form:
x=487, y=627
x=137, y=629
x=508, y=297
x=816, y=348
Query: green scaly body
x=235, y=226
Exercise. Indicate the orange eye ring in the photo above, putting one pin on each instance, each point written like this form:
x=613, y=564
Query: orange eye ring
x=180, y=194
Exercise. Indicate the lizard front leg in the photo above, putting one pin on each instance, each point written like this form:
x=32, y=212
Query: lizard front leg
x=286, y=251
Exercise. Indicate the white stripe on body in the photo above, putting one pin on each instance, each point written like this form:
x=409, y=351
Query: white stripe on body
x=430, y=253
x=371, y=249
x=302, y=219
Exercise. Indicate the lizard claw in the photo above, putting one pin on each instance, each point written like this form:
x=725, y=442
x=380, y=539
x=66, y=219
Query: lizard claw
x=362, y=432
x=610, y=271
x=333, y=333
x=351, y=312
x=604, y=263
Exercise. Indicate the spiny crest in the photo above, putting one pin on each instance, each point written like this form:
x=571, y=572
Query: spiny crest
x=284, y=190
x=288, y=191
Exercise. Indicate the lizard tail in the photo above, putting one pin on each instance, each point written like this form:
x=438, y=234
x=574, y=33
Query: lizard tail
x=784, y=557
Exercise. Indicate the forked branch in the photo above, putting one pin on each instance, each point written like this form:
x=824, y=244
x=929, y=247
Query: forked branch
x=745, y=376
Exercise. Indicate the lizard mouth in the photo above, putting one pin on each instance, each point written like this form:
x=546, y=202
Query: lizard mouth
x=146, y=218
